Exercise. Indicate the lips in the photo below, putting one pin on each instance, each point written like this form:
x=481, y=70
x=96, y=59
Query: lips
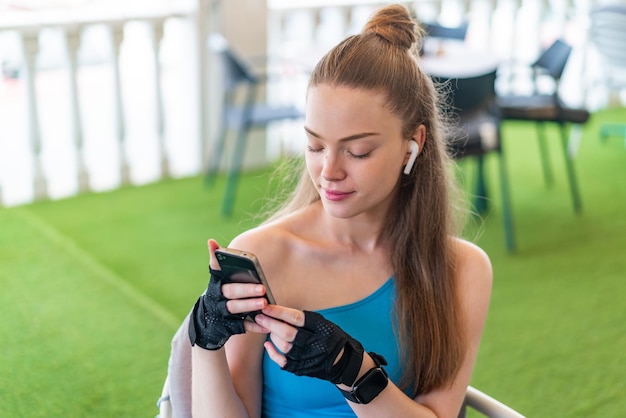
x=335, y=195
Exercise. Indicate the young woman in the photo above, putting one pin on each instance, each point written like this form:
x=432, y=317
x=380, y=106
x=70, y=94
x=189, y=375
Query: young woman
x=380, y=307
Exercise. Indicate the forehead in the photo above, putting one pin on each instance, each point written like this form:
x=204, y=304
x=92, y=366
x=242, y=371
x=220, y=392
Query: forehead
x=343, y=96
x=340, y=108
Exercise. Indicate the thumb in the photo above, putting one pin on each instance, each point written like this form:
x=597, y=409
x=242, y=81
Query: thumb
x=213, y=245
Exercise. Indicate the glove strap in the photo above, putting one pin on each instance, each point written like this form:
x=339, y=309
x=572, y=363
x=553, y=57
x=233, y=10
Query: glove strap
x=347, y=368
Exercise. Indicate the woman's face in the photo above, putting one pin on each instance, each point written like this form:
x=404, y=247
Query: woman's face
x=355, y=152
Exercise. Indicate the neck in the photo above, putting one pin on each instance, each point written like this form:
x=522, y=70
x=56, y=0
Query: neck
x=362, y=232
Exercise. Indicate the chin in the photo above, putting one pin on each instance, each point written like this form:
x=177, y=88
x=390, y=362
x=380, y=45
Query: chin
x=340, y=211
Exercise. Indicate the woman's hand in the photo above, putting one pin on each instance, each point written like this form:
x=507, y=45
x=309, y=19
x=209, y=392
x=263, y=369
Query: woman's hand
x=283, y=324
x=305, y=343
x=220, y=312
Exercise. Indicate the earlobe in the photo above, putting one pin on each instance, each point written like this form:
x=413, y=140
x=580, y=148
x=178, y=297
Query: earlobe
x=414, y=150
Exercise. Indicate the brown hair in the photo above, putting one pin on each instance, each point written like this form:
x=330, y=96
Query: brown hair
x=383, y=58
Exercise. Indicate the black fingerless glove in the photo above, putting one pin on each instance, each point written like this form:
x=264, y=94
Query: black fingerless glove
x=210, y=323
x=317, y=345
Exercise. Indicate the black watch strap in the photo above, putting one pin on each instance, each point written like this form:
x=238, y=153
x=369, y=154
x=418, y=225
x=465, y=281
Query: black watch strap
x=370, y=384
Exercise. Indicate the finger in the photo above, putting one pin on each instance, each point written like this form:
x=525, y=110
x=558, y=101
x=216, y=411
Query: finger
x=282, y=332
x=242, y=290
x=238, y=306
x=280, y=344
x=213, y=245
x=254, y=327
x=276, y=357
x=288, y=315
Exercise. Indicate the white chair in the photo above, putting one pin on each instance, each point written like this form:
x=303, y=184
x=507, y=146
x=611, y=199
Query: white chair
x=175, y=401
x=474, y=399
x=486, y=405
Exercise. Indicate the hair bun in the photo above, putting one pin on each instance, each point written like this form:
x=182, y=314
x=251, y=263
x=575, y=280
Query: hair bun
x=394, y=24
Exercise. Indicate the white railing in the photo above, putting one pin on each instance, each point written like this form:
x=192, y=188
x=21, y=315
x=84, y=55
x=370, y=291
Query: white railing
x=167, y=120
x=26, y=38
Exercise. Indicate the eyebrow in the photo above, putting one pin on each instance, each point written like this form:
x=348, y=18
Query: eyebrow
x=345, y=139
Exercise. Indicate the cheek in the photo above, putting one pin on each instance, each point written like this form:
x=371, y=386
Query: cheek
x=386, y=166
x=313, y=166
x=384, y=173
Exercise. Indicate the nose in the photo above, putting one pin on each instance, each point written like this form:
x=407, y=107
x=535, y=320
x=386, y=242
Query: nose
x=332, y=168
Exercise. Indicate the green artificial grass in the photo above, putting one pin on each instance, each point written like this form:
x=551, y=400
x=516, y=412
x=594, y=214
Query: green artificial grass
x=93, y=287
x=554, y=344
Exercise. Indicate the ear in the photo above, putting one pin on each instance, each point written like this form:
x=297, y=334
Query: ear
x=415, y=145
x=419, y=136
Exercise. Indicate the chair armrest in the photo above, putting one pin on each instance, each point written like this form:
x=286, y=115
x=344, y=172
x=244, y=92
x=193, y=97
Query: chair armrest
x=488, y=406
x=163, y=403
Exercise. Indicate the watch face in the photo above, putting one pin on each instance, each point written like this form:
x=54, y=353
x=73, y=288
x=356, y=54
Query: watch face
x=372, y=384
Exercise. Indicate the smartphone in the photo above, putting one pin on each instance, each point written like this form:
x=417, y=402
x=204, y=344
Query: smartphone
x=242, y=267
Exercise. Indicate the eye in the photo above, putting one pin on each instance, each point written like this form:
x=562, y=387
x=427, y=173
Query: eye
x=314, y=149
x=359, y=156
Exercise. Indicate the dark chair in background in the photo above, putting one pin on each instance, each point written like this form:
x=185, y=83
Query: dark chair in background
x=608, y=35
x=476, y=133
x=548, y=107
x=242, y=110
x=436, y=34
x=436, y=30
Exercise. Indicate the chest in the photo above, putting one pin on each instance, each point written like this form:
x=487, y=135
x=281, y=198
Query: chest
x=323, y=281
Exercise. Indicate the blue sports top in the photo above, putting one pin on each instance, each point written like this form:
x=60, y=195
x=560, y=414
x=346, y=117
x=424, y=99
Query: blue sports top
x=370, y=322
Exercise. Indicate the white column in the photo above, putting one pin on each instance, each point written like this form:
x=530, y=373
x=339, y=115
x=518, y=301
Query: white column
x=72, y=37
x=157, y=36
x=30, y=45
x=203, y=23
x=117, y=35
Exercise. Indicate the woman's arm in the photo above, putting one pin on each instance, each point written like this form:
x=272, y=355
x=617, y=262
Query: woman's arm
x=213, y=392
x=227, y=381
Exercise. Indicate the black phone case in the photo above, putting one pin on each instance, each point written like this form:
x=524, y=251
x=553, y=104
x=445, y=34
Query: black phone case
x=241, y=267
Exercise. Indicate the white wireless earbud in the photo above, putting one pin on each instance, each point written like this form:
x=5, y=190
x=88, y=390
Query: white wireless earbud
x=415, y=149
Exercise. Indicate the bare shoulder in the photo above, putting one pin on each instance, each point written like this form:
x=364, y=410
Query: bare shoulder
x=473, y=266
x=474, y=279
x=273, y=243
x=264, y=241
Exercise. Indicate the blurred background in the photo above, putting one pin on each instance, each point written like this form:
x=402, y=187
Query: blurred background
x=127, y=92
x=110, y=118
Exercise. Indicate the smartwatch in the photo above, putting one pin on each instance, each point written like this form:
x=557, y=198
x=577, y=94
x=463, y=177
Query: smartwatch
x=370, y=384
